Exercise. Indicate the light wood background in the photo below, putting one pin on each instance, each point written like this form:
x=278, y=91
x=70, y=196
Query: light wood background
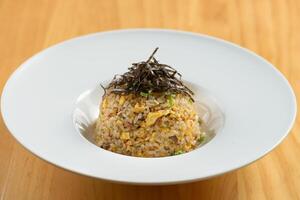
x=270, y=28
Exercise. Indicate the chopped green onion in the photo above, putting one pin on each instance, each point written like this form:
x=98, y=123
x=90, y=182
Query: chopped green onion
x=201, y=139
x=200, y=121
x=144, y=94
x=190, y=101
x=171, y=100
x=178, y=152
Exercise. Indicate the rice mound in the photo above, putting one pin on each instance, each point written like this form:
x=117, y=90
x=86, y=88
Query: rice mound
x=153, y=125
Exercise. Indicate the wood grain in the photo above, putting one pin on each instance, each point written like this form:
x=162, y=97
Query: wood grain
x=268, y=27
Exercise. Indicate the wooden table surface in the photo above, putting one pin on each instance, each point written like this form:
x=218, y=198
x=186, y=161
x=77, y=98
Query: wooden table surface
x=268, y=27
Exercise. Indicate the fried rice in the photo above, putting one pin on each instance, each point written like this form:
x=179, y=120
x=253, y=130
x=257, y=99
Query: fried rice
x=148, y=125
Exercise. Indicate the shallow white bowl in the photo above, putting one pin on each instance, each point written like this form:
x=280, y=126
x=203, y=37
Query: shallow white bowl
x=257, y=101
x=86, y=112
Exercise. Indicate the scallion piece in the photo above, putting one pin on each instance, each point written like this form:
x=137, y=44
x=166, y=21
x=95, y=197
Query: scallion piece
x=178, y=152
x=171, y=100
x=144, y=94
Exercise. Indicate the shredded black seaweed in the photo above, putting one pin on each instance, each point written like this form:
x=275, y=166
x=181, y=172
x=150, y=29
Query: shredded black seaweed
x=148, y=77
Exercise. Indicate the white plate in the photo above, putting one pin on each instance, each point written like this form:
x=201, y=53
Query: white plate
x=257, y=101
